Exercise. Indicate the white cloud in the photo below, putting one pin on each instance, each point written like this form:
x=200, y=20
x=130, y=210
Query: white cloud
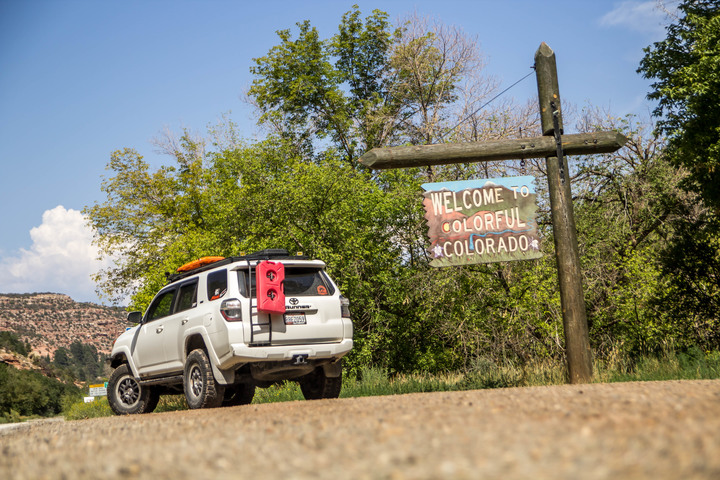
x=60, y=260
x=644, y=17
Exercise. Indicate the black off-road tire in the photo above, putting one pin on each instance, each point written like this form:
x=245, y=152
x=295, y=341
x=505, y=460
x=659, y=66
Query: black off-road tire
x=126, y=396
x=201, y=388
x=241, y=394
x=317, y=385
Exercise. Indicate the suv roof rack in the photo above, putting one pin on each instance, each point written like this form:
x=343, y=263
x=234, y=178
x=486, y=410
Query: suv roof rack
x=267, y=254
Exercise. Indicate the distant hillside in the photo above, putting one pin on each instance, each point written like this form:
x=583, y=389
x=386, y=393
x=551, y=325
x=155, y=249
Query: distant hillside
x=48, y=321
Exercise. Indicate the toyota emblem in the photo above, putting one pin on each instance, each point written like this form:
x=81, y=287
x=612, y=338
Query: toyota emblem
x=294, y=301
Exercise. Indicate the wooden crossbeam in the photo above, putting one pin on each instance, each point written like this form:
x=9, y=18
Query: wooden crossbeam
x=510, y=149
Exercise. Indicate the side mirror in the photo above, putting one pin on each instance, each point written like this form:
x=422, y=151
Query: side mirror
x=134, y=317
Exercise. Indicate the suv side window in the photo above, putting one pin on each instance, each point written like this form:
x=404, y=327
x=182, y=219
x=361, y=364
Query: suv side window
x=216, y=284
x=162, y=306
x=187, y=297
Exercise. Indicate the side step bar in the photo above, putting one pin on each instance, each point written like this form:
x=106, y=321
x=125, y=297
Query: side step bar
x=162, y=381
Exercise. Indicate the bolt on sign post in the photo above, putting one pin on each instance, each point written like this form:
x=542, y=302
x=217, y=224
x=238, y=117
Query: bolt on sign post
x=554, y=147
x=481, y=221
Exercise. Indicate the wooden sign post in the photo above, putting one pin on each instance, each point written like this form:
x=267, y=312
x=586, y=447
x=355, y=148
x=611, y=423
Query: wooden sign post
x=572, y=299
x=554, y=147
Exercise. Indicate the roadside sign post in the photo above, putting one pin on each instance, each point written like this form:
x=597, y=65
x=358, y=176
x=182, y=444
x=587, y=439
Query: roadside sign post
x=98, y=390
x=554, y=147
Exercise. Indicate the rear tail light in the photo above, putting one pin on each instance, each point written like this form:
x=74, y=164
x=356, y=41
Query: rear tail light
x=231, y=310
x=344, y=307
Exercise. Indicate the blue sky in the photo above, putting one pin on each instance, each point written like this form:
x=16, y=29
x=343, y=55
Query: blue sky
x=80, y=79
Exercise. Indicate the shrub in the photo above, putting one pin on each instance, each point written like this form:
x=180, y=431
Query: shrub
x=81, y=410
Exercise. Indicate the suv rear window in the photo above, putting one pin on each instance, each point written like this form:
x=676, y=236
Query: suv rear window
x=299, y=281
x=216, y=284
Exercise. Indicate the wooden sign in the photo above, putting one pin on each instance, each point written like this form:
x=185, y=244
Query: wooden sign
x=481, y=221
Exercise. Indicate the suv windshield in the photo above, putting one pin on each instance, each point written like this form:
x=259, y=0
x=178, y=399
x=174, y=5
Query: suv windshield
x=299, y=281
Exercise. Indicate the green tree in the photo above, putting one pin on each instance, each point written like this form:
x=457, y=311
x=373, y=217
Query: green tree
x=146, y=209
x=692, y=263
x=626, y=205
x=28, y=392
x=12, y=342
x=368, y=85
x=304, y=96
x=80, y=361
x=62, y=357
x=685, y=68
x=85, y=361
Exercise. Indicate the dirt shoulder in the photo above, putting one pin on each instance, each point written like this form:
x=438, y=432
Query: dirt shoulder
x=659, y=430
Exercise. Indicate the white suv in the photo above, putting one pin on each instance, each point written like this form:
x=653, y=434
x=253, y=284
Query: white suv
x=206, y=334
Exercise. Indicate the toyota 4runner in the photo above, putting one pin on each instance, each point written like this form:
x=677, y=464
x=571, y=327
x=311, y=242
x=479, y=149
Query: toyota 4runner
x=222, y=327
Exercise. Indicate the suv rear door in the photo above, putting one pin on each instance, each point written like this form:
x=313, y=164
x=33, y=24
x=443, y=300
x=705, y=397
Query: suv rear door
x=312, y=303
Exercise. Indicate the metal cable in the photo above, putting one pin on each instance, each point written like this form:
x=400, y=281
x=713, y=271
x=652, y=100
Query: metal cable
x=487, y=103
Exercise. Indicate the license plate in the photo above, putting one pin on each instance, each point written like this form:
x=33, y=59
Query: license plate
x=295, y=319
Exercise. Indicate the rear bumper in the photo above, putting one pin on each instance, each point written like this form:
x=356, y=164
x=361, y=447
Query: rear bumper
x=242, y=353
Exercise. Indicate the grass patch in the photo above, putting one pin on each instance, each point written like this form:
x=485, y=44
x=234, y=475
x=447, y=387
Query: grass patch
x=374, y=382
x=693, y=364
x=487, y=374
x=171, y=403
x=82, y=411
x=282, y=392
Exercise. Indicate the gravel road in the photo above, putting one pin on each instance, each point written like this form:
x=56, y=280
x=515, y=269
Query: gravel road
x=658, y=430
